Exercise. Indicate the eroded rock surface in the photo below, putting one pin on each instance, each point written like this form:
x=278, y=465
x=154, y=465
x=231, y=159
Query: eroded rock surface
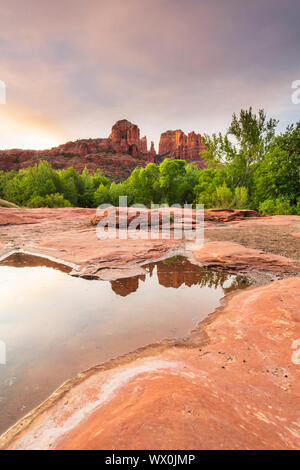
x=236, y=386
x=69, y=235
x=233, y=383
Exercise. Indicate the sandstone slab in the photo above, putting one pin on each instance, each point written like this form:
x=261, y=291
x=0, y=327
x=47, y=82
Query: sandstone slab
x=234, y=384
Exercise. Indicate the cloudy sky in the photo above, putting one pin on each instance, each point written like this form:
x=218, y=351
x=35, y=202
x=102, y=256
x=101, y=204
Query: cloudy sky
x=72, y=67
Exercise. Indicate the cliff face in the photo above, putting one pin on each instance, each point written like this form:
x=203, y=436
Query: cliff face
x=179, y=145
x=125, y=138
x=116, y=155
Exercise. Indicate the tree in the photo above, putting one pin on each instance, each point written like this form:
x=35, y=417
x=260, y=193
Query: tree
x=101, y=195
x=86, y=196
x=172, y=174
x=278, y=175
x=50, y=200
x=222, y=197
x=245, y=143
x=209, y=179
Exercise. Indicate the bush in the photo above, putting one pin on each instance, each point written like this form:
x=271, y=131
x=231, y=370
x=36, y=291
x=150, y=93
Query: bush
x=36, y=201
x=283, y=207
x=280, y=206
x=51, y=200
x=56, y=200
x=223, y=197
x=240, y=197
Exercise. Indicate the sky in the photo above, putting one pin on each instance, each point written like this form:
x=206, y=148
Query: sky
x=72, y=68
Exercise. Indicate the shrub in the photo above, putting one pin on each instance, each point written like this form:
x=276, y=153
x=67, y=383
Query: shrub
x=240, y=197
x=283, y=207
x=51, y=200
x=223, y=197
x=279, y=206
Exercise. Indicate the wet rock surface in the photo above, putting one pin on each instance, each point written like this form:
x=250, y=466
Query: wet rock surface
x=233, y=383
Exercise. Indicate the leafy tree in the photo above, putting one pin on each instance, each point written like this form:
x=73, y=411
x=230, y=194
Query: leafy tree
x=278, y=174
x=50, y=200
x=172, y=174
x=278, y=206
x=240, y=197
x=245, y=143
x=248, y=167
x=101, y=195
x=209, y=179
x=86, y=197
x=223, y=197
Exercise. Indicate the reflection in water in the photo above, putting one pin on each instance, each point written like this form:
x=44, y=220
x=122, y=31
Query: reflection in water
x=22, y=260
x=176, y=272
x=55, y=325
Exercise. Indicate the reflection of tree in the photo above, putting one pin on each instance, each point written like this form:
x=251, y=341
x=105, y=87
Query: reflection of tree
x=182, y=272
x=178, y=271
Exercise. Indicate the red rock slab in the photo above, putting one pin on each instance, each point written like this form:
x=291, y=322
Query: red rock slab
x=65, y=235
x=292, y=220
x=297, y=235
x=219, y=254
x=10, y=216
x=234, y=385
x=2, y=245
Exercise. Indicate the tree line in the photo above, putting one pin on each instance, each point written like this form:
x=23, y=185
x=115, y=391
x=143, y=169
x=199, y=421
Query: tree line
x=247, y=167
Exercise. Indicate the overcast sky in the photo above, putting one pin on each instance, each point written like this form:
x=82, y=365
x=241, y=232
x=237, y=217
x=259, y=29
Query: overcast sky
x=72, y=68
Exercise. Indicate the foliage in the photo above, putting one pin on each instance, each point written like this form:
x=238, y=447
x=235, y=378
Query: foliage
x=249, y=166
x=278, y=206
x=245, y=143
x=278, y=174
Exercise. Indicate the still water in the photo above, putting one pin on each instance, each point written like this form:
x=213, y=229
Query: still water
x=55, y=325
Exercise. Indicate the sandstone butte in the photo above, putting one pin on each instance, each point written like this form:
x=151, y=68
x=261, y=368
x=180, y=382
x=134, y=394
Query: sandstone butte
x=116, y=156
x=232, y=383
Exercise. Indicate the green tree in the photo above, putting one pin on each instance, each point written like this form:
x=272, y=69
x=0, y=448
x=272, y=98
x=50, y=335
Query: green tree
x=223, y=197
x=101, y=195
x=172, y=174
x=245, y=143
x=278, y=175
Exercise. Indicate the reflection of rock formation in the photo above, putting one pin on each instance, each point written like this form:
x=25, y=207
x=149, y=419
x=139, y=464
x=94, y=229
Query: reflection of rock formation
x=176, y=272
x=179, y=271
x=22, y=260
x=126, y=286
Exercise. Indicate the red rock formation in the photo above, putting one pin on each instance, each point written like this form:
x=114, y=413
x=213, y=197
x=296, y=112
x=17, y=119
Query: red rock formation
x=178, y=145
x=116, y=155
x=144, y=145
x=152, y=149
x=125, y=137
